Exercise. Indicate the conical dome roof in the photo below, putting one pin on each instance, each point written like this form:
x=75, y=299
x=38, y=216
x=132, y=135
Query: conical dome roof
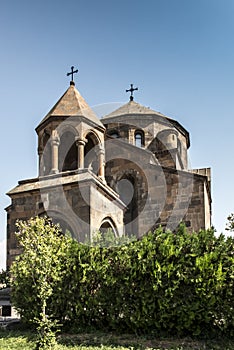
x=72, y=104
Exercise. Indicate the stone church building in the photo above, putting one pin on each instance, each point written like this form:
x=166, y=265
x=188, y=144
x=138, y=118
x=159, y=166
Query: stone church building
x=127, y=171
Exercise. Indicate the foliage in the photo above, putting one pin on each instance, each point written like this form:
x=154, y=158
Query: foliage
x=99, y=340
x=230, y=223
x=36, y=273
x=109, y=239
x=177, y=284
x=4, y=279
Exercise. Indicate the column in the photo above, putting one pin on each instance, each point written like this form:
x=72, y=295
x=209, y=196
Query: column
x=41, y=161
x=101, y=165
x=80, y=146
x=54, y=141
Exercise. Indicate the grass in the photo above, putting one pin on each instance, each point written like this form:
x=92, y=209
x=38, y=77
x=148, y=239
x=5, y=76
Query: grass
x=21, y=340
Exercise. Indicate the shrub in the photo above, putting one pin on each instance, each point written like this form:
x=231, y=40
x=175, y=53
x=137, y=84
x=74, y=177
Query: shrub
x=179, y=284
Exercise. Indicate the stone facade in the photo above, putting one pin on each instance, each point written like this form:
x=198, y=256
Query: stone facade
x=127, y=171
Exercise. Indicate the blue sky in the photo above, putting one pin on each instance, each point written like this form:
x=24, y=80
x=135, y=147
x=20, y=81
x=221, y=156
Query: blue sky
x=180, y=54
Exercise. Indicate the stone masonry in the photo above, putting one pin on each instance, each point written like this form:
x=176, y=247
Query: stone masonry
x=127, y=172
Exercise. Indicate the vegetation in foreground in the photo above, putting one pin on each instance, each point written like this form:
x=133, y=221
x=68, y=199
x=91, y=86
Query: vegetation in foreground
x=20, y=340
x=181, y=285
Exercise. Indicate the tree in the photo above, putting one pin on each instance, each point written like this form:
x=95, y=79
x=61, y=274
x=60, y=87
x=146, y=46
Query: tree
x=4, y=279
x=230, y=223
x=109, y=239
x=35, y=274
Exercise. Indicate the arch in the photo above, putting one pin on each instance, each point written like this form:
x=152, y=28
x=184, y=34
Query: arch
x=65, y=127
x=139, y=138
x=91, y=133
x=68, y=151
x=108, y=224
x=90, y=152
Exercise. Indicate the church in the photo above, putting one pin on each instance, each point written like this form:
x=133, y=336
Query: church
x=127, y=171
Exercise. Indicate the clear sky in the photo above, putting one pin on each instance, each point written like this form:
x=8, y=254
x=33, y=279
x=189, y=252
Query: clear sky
x=180, y=54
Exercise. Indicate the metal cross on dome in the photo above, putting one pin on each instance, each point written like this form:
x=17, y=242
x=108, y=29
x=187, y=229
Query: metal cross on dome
x=72, y=73
x=132, y=89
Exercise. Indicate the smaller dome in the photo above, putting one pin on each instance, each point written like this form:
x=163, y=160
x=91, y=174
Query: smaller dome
x=132, y=107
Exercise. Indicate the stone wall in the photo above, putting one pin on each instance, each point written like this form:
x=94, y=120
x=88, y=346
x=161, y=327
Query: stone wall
x=162, y=195
x=23, y=207
x=79, y=202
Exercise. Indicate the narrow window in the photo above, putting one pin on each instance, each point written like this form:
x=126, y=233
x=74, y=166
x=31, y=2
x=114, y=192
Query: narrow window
x=139, y=142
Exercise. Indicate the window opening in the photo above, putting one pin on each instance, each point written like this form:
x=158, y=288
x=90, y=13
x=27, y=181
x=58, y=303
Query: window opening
x=139, y=139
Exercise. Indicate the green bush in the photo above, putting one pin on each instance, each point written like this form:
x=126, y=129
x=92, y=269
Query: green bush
x=165, y=283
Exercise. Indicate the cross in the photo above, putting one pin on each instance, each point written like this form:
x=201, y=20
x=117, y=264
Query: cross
x=131, y=90
x=72, y=73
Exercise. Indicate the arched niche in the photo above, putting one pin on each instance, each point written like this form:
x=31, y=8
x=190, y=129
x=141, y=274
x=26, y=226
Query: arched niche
x=108, y=225
x=91, y=151
x=67, y=152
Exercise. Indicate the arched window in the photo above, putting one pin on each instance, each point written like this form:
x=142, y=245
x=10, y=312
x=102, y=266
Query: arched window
x=139, y=138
